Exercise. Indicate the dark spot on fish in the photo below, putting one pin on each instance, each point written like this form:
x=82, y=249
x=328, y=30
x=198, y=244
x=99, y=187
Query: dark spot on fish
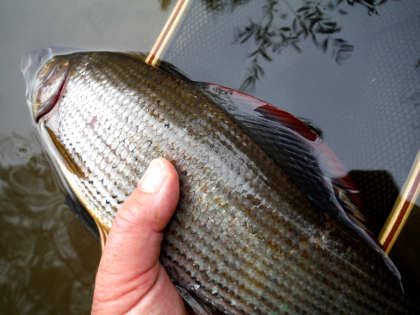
x=114, y=196
x=90, y=182
x=97, y=192
x=149, y=143
x=119, y=202
x=184, y=173
x=167, y=125
x=107, y=202
x=22, y=150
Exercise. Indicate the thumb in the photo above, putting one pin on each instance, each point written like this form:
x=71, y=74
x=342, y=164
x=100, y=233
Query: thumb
x=130, y=277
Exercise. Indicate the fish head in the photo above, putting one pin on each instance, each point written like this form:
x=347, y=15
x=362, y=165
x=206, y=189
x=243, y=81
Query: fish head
x=72, y=97
x=50, y=100
x=47, y=72
x=45, y=76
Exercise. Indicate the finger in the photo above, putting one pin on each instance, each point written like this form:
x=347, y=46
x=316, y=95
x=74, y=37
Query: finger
x=130, y=262
x=136, y=231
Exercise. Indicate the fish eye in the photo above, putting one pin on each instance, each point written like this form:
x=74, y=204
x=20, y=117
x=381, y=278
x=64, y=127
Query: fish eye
x=49, y=83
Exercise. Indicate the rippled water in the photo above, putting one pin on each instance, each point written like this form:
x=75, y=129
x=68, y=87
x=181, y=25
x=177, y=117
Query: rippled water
x=48, y=259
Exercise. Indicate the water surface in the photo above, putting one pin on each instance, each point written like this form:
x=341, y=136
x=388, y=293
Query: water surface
x=48, y=259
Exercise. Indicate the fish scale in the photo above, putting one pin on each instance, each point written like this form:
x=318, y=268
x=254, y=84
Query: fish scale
x=244, y=239
x=220, y=257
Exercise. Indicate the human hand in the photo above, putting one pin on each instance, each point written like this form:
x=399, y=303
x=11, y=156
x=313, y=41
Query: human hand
x=130, y=278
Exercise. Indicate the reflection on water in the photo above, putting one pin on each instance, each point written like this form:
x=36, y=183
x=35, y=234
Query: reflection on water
x=414, y=98
x=406, y=253
x=51, y=270
x=286, y=25
x=370, y=5
x=378, y=192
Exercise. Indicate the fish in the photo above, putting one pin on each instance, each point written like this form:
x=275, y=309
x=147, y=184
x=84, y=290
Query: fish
x=267, y=221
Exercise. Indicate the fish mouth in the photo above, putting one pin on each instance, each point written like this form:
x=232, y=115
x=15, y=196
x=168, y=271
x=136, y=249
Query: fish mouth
x=45, y=76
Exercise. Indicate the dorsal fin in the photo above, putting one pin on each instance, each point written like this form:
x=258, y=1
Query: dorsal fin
x=304, y=157
x=288, y=120
x=287, y=140
x=170, y=68
x=136, y=55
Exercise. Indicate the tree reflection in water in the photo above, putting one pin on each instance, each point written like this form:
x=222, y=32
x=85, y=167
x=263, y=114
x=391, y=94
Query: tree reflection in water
x=286, y=25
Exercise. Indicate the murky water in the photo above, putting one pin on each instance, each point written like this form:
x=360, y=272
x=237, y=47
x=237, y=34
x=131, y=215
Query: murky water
x=48, y=260
x=352, y=70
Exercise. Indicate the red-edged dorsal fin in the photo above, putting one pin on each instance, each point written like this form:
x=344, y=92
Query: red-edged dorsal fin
x=345, y=190
x=288, y=120
x=243, y=106
x=295, y=146
x=301, y=153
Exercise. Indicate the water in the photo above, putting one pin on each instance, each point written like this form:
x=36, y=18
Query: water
x=365, y=100
x=355, y=75
x=361, y=89
x=48, y=259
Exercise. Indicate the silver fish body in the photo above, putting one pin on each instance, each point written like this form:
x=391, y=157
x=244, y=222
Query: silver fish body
x=244, y=239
